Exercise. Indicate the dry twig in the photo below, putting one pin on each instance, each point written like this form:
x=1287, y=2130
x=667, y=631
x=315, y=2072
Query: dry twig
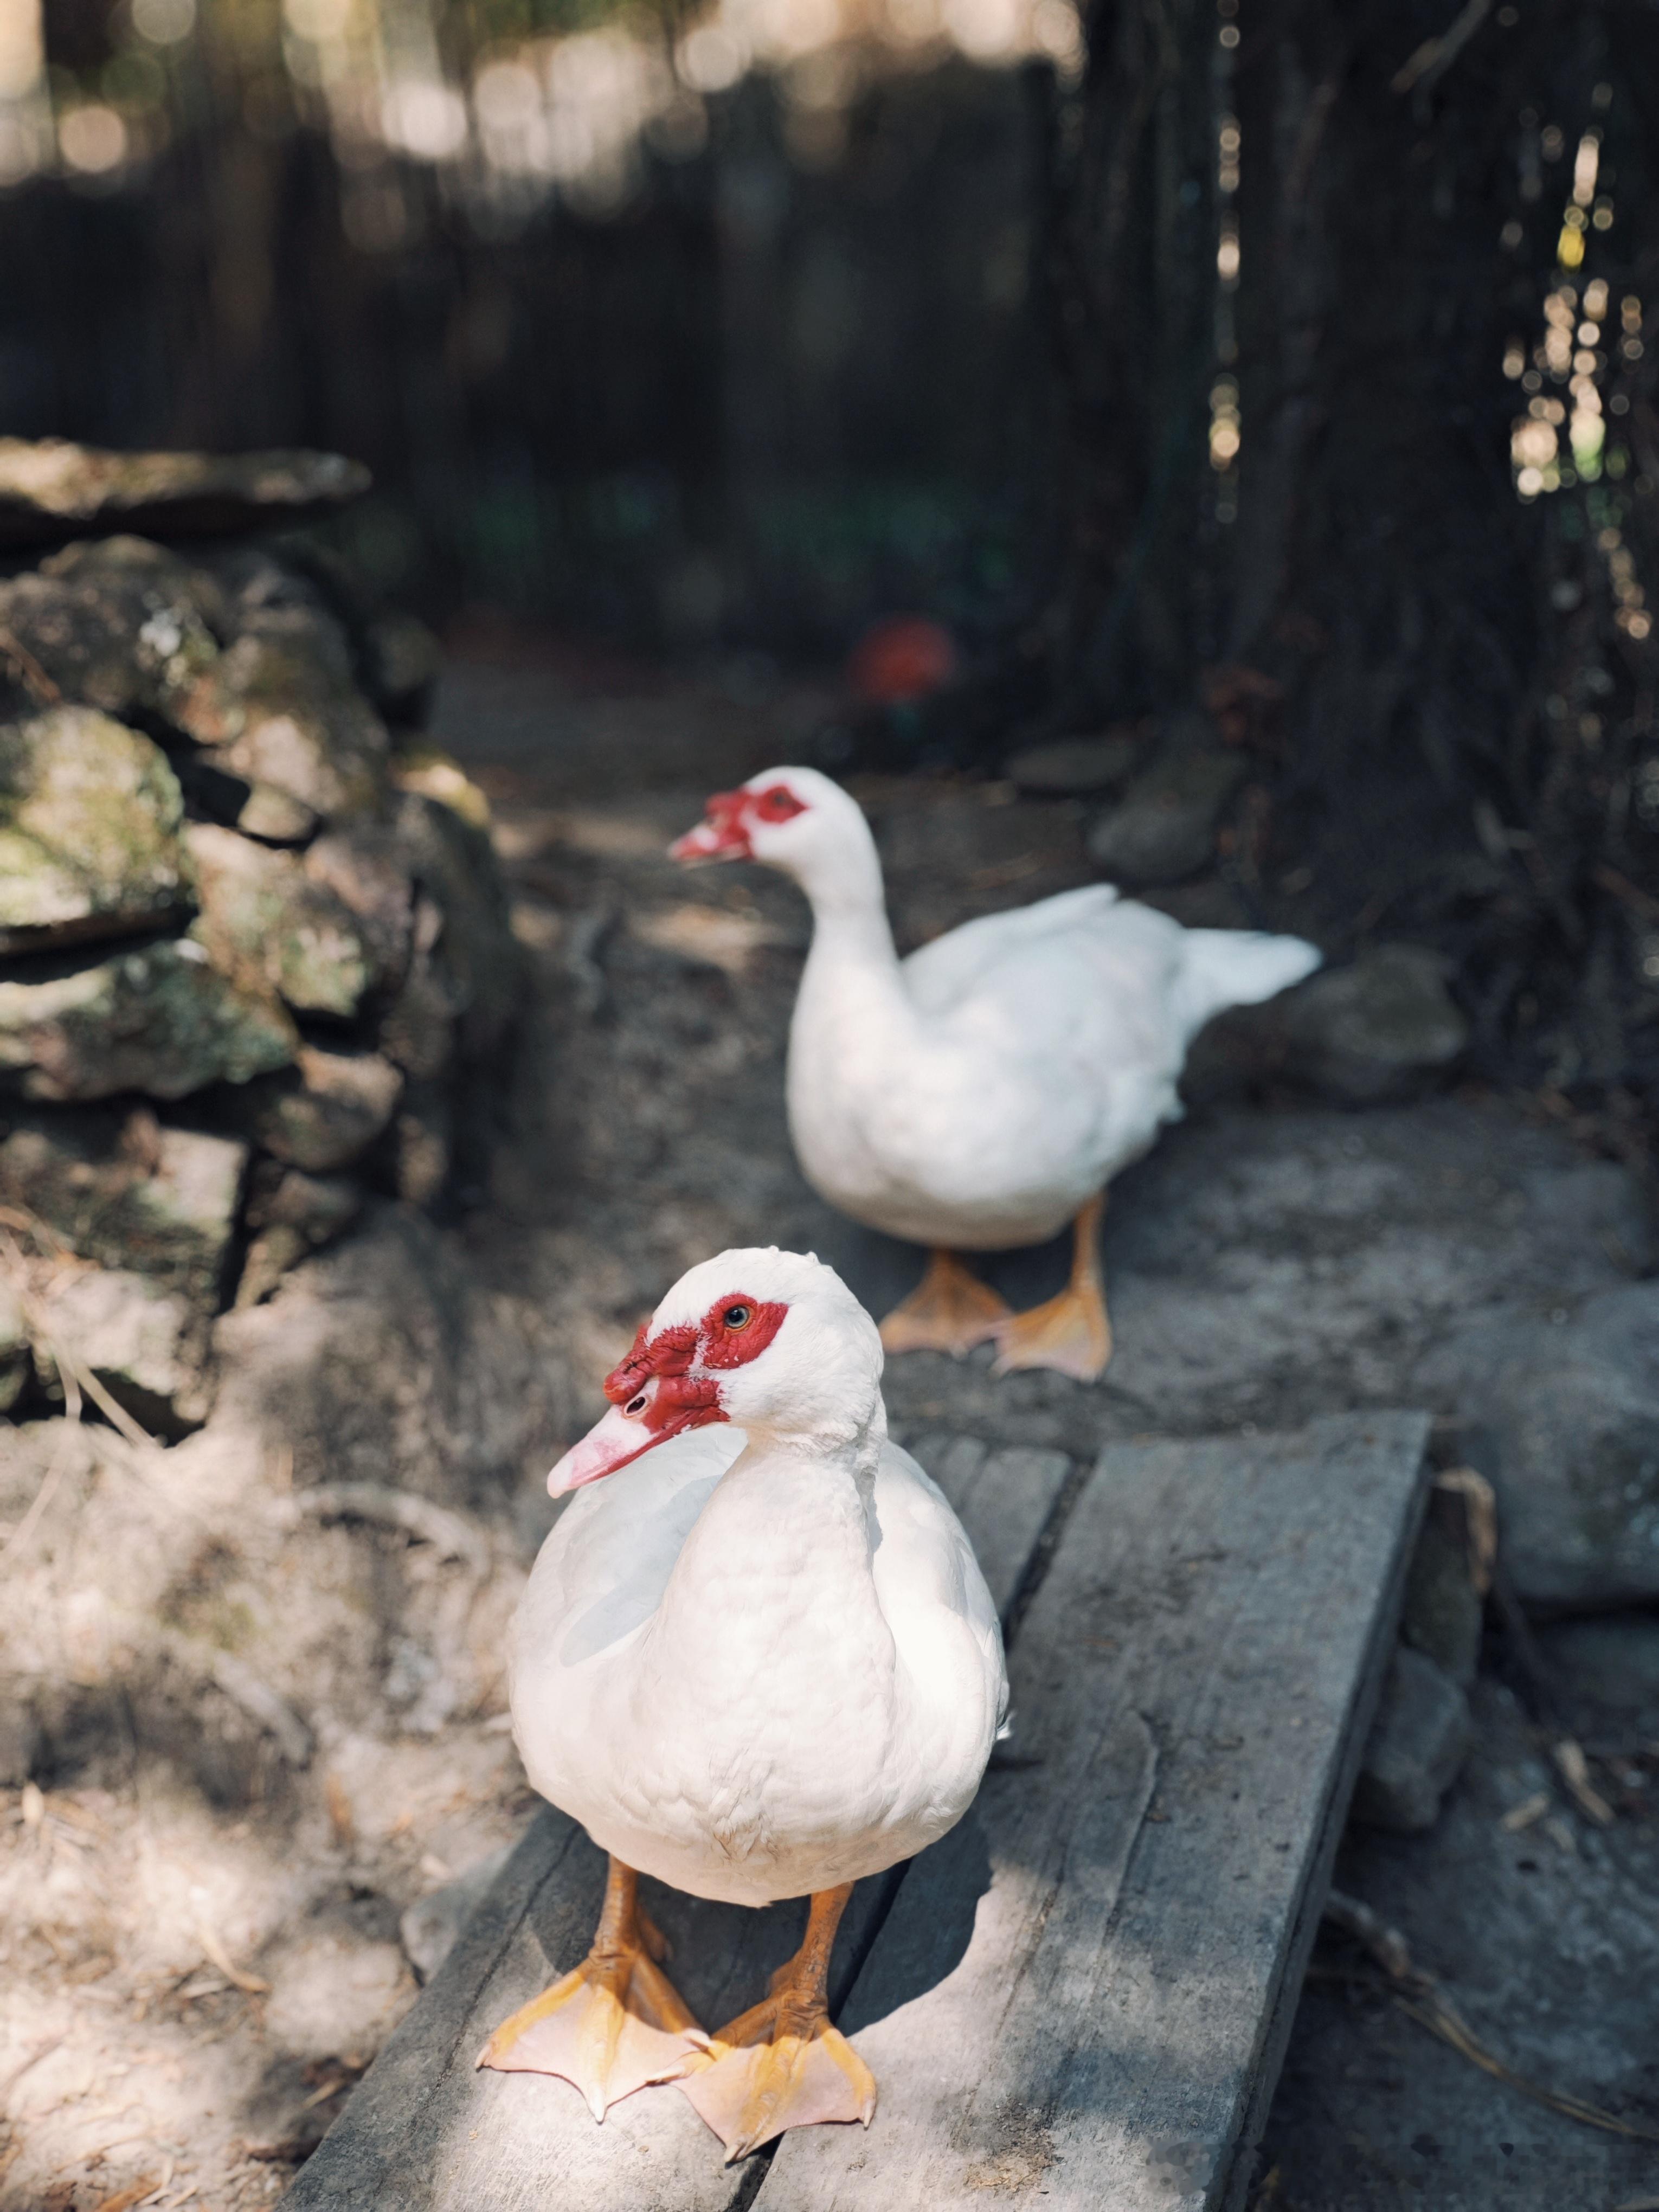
x=217, y=1955
x=1569, y=1762
x=1421, y=1998
x=1436, y=56
x=450, y=1536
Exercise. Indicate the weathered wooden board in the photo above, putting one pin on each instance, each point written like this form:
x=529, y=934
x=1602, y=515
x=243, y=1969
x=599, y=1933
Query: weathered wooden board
x=424, y=2130
x=1079, y=1997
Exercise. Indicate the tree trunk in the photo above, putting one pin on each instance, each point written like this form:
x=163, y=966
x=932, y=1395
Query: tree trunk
x=1466, y=749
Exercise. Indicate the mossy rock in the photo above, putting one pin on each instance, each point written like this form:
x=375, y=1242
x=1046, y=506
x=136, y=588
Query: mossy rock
x=52, y=489
x=122, y=640
x=265, y=922
x=323, y=1113
x=119, y=1187
x=161, y=1018
x=277, y=715
x=90, y=845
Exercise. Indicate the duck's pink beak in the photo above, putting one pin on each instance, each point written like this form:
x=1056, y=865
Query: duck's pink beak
x=652, y=1397
x=721, y=837
x=610, y=1443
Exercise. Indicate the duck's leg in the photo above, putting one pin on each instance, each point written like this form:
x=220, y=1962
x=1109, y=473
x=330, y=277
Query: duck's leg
x=780, y=2064
x=949, y=1310
x=1070, y=1333
x=613, y=2024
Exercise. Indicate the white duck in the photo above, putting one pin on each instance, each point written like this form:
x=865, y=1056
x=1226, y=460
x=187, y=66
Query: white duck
x=756, y=1661
x=982, y=1093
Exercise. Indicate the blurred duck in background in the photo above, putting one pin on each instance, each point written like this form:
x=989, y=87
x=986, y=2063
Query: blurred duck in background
x=981, y=1094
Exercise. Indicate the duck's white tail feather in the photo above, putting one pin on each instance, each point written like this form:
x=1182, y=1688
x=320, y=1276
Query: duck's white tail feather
x=1237, y=968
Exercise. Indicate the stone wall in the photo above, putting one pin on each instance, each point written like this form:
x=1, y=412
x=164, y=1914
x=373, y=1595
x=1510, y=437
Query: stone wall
x=254, y=951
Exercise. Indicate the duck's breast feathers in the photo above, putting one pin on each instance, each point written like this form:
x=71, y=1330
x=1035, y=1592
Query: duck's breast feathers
x=601, y=1574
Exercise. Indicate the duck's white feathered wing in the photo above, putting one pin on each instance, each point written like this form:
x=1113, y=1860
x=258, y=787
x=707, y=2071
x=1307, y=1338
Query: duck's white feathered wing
x=1008, y=960
x=943, y=1623
x=1058, y=1033
x=601, y=1574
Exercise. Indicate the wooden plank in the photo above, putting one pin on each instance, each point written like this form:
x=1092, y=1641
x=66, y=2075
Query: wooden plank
x=424, y=2130
x=1078, y=1997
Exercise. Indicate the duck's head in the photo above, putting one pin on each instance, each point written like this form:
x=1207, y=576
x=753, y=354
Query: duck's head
x=773, y=1341
x=790, y=819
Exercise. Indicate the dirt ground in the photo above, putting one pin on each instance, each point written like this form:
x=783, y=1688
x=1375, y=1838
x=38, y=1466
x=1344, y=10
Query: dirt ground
x=200, y=1948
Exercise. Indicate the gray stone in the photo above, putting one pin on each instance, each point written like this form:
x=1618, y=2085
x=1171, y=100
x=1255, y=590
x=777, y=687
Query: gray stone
x=1546, y=1940
x=291, y=1214
x=1421, y=1738
x=275, y=714
x=1562, y=1415
x=127, y=1192
x=419, y=1028
x=271, y=926
x=1613, y=1661
x=424, y=1139
x=466, y=971
x=258, y=810
x=139, y=1341
x=274, y=816
x=90, y=831
x=432, y=1923
x=1384, y=1029
x=386, y=1357
x=50, y=489
x=1442, y=1615
x=297, y=626
x=15, y=1361
x=1075, y=767
x=324, y=1114
x=400, y=663
x=141, y=559
x=364, y=867
x=115, y=639
x=1165, y=827
x=162, y=1019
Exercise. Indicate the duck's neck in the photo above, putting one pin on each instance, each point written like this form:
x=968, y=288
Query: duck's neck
x=852, y=939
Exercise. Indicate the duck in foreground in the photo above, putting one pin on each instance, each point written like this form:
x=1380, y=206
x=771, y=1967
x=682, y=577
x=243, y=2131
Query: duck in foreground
x=981, y=1094
x=756, y=1659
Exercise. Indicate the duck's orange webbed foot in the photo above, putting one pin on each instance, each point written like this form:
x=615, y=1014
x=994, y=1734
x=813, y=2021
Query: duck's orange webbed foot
x=1071, y=1333
x=949, y=1310
x=781, y=2064
x=613, y=2026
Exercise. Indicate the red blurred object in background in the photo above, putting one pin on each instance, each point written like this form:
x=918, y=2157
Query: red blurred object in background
x=901, y=659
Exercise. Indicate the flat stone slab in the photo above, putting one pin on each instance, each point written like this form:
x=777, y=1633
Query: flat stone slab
x=1079, y=1998
x=50, y=489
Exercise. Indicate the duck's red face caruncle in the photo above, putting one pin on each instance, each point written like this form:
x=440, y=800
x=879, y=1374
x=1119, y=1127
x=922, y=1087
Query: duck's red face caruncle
x=668, y=1383
x=731, y=820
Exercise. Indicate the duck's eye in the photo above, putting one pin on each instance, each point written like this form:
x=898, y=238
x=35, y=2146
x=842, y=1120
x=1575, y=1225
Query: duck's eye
x=779, y=804
x=738, y=1317
x=636, y=1404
